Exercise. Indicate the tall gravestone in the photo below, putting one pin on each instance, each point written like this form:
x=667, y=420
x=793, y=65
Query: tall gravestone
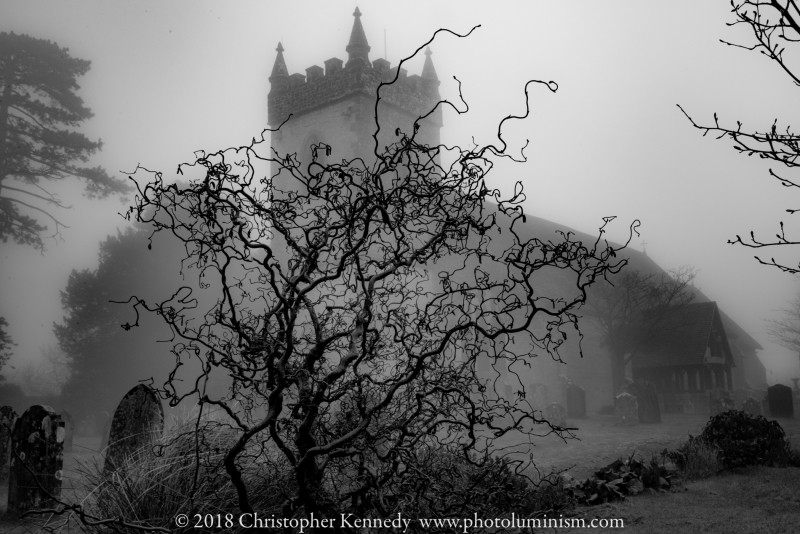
x=626, y=409
x=37, y=458
x=7, y=419
x=137, y=421
x=576, y=402
x=69, y=429
x=646, y=400
x=780, y=400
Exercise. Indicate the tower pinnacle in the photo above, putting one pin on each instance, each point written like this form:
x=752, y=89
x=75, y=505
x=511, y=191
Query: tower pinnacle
x=428, y=71
x=279, y=69
x=358, y=46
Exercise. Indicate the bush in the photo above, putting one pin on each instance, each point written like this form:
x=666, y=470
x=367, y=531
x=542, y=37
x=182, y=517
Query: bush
x=174, y=476
x=696, y=459
x=742, y=439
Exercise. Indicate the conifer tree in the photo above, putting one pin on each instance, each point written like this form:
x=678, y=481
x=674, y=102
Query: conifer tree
x=39, y=109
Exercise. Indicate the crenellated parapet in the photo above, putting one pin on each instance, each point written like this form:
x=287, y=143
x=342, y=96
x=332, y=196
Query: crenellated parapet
x=298, y=94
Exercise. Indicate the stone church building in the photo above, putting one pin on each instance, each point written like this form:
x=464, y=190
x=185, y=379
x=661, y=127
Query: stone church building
x=335, y=105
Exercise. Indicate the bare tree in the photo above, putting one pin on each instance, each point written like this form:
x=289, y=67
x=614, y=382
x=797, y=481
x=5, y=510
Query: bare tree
x=634, y=308
x=775, y=25
x=47, y=375
x=348, y=305
x=785, y=331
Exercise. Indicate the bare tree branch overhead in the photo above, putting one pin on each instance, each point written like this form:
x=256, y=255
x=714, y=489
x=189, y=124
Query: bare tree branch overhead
x=775, y=25
x=38, y=113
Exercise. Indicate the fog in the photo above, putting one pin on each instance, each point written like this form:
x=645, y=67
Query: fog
x=168, y=79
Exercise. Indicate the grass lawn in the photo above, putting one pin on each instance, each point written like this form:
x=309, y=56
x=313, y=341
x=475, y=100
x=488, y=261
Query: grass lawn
x=756, y=500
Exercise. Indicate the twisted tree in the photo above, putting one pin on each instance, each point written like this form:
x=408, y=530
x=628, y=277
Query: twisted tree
x=775, y=25
x=351, y=306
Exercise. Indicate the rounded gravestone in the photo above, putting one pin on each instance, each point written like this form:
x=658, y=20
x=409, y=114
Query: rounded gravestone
x=137, y=421
x=780, y=401
x=7, y=419
x=646, y=399
x=69, y=429
x=626, y=409
x=37, y=459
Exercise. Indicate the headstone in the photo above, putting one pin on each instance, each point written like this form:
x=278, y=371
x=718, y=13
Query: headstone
x=720, y=400
x=7, y=419
x=780, y=401
x=556, y=414
x=539, y=396
x=137, y=421
x=69, y=429
x=37, y=459
x=751, y=406
x=576, y=402
x=688, y=406
x=626, y=409
x=647, y=400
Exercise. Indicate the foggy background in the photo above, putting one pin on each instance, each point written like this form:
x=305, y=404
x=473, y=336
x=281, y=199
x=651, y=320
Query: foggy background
x=168, y=79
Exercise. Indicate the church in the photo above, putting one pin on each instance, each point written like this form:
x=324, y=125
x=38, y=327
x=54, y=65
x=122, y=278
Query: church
x=336, y=105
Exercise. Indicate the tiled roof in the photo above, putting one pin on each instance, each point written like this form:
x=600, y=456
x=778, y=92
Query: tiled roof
x=684, y=338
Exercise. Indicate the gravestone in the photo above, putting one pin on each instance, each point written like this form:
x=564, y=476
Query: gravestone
x=751, y=406
x=780, y=401
x=720, y=400
x=7, y=419
x=626, y=409
x=556, y=414
x=539, y=396
x=37, y=459
x=576, y=401
x=687, y=404
x=137, y=421
x=647, y=400
x=69, y=429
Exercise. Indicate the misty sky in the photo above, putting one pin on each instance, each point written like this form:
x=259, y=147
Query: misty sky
x=168, y=79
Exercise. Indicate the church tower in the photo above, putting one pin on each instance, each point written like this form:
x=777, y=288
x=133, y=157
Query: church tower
x=336, y=105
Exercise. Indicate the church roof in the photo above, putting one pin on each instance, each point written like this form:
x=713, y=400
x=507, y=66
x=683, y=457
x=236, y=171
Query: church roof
x=279, y=68
x=684, y=338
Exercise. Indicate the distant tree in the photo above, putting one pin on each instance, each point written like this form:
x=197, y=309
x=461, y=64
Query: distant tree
x=5, y=345
x=633, y=308
x=39, y=110
x=104, y=359
x=785, y=331
x=46, y=375
x=775, y=25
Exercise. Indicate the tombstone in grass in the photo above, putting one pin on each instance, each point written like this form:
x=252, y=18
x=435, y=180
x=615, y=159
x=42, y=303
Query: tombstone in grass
x=7, y=419
x=780, y=401
x=137, y=421
x=37, y=458
x=626, y=409
x=576, y=402
x=69, y=429
x=688, y=405
x=647, y=400
x=751, y=406
x=556, y=414
x=720, y=400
